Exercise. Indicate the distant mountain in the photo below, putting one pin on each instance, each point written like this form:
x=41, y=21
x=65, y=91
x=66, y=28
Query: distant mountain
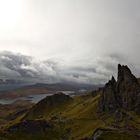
x=10, y=84
x=66, y=86
x=41, y=88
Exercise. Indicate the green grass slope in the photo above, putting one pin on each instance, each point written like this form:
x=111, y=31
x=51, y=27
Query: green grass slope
x=73, y=119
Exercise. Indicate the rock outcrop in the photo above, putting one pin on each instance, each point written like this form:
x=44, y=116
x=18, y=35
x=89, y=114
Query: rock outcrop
x=123, y=93
x=108, y=99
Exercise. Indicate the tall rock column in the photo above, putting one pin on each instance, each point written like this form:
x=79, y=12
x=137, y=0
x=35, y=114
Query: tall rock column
x=124, y=94
x=107, y=101
x=127, y=88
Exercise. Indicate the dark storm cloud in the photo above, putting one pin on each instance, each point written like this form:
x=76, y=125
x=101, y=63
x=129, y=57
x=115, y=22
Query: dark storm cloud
x=15, y=65
x=18, y=66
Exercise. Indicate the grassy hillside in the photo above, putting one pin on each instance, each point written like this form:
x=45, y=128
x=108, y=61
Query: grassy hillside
x=72, y=119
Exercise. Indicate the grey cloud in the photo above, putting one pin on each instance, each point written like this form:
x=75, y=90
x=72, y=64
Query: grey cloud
x=18, y=66
x=15, y=63
x=90, y=37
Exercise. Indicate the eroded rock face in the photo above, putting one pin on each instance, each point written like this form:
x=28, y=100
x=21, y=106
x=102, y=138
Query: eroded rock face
x=125, y=93
x=108, y=99
x=137, y=108
x=127, y=88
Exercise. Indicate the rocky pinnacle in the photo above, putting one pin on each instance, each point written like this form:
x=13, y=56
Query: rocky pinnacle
x=123, y=93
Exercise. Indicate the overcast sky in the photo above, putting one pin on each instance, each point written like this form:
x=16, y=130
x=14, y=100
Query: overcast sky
x=68, y=40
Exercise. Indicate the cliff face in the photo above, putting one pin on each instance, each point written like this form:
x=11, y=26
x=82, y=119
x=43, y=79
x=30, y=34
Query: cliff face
x=123, y=93
x=108, y=100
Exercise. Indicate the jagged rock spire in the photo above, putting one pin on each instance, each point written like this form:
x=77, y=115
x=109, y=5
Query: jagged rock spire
x=127, y=87
x=107, y=101
x=123, y=93
x=125, y=75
